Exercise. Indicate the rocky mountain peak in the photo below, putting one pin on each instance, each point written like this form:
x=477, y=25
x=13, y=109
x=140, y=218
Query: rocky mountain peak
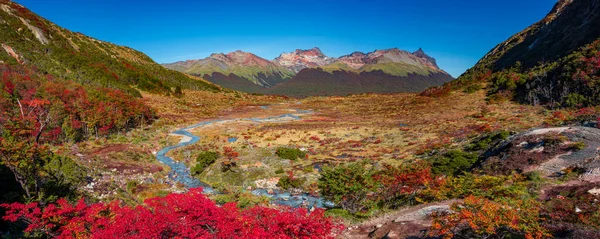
x=557, y=10
x=300, y=59
x=421, y=54
x=315, y=51
x=358, y=60
x=240, y=58
x=356, y=54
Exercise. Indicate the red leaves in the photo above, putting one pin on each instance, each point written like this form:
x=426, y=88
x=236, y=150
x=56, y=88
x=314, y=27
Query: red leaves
x=587, y=69
x=189, y=215
x=35, y=103
x=105, y=130
x=30, y=96
x=8, y=86
x=398, y=181
x=230, y=153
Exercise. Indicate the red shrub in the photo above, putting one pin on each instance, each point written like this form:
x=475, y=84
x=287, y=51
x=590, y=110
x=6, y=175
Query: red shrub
x=189, y=215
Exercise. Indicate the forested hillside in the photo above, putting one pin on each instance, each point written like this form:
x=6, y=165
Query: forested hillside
x=30, y=40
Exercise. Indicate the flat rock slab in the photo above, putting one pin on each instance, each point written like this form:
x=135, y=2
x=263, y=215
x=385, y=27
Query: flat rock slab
x=423, y=213
x=410, y=222
x=586, y=158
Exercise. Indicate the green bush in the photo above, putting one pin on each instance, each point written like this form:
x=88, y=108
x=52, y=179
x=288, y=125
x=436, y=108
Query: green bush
x=485, y=142
x=287, y=182
x=178, y=92
x=345, y=215
x=472, y=88
x=348, y=186
x=308, y=169
x=534, y=176
x=288, y=153
x=131, y=186
x=279, y=171
x=64, y=176
x=575, y=100
x=554, y=140
x=242, y=199
x=204, y=160
x=453, y=162
x=577, y=146
x=490, y=187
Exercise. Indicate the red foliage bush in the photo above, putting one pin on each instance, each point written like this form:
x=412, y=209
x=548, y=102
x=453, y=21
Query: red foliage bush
x=573, y=205
x=189, y=215
x=315, y=138
x=230, y=153
x=402, y=183
x=26, y=98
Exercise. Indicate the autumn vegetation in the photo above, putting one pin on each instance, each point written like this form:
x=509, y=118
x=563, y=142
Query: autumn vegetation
x=189, y=215
x=39, y=110
x=569, y=82
x=78, y=109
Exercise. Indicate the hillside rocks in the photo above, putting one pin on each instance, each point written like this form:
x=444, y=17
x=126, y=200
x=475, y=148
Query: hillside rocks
x=410, y=222
x=37, y=32
x=550, y=151
x=12, y=53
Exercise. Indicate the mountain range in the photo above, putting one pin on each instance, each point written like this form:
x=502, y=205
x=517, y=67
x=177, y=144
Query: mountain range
x=310, y=72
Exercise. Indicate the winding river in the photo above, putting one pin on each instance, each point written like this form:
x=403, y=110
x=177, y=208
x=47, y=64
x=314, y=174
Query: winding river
x=181, y=173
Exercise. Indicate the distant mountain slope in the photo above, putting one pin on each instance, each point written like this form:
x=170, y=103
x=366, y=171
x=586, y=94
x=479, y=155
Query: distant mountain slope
x=246, y=65
x=317, y=82
x=28, y=39
x=391, y=61
x=380, y=71
x=234, y=82
x=553, y=62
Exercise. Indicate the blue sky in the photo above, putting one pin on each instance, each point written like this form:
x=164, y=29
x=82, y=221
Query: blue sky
x=457, y=33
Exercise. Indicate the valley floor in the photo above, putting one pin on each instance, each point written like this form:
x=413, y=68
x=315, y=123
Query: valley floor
x=393, y=129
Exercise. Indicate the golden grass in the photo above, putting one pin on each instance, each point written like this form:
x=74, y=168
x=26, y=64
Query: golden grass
x=388, y=128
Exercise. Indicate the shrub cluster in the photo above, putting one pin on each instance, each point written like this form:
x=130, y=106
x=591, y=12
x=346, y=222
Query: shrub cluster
x=204, y=160
x=189, y=215
x=289, y=153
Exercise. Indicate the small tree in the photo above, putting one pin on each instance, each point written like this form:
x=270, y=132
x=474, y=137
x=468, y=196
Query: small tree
x=231, y=157
x=204, y=160
x=178, y=92
x=289, y=181
x=351, y=186
x=453, y=162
